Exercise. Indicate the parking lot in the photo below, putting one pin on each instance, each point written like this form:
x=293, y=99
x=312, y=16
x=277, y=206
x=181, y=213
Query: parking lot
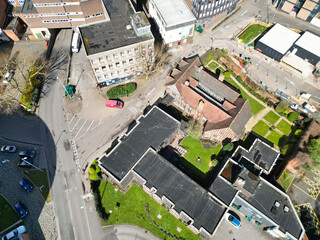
x=247, y=231
x=39, y=221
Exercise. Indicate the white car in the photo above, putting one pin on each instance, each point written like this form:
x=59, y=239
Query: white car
x=15, y=234
x=295, y=106
x=10, y=149
x=233, y=220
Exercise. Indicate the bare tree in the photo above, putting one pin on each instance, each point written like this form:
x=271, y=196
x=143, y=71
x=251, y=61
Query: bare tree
x=151, y=61
x=19, y=77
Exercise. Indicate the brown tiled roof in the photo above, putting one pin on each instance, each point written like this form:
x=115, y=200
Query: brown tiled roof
x=234, y=111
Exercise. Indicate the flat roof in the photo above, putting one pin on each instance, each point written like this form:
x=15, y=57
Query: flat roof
x=186, y=194
x=112, y=34
x=151, y=131
x=223, y=190
x=280, y=38
x=261, y=154
x=309, y=42
x=264, y=195
x=174, y=12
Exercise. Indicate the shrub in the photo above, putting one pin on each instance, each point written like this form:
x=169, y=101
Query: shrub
x=284, y=149
x=121, y=91
x=293, y=116
x=227, y=74
x=94, y=171
x=228, y=147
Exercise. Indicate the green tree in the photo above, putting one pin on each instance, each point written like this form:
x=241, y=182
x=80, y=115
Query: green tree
x=228, y=147
x=94, y=171
x=314, y=150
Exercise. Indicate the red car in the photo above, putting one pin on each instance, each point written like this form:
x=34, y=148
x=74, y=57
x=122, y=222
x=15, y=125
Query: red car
x=114, y=104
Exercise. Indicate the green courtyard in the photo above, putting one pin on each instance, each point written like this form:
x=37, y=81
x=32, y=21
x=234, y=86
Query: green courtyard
x=252, y=32
x=195, y=150
x=131, y=208
x=271, y=117
x=261, y=128
x=8, y=215
x=284, y=127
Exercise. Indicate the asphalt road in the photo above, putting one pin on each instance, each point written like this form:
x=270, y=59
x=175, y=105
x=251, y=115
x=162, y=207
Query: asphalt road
x=72, y=212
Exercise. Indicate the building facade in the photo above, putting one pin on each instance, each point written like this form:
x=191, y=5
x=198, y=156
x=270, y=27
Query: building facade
x=308, y=10
x=207, y=10
x=121, y=49
x=41, y=15
x=174, y=19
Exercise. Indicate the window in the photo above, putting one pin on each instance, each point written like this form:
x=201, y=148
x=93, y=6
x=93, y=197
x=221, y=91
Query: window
x=119, y=72
x=149, y=46
x=125, y=70
x=106, y=75
x=112, y=74
x=108, y=57
x=136, y=49
x=129, y=52
x=115, y=55
x=100, y=59
x=99, y=77
x=104, y=68
x=122, y=54
x=124, y=62
x=117, y=64
x=130, y=60
x=97, y=70
x=143, y=48
x=93, y=61
x=110, y=66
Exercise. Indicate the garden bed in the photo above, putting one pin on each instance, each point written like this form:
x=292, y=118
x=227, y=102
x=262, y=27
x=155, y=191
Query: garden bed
x=271, y=117
x=286, y=179
x=284, y=127
x=252, y=32
x=261, y=128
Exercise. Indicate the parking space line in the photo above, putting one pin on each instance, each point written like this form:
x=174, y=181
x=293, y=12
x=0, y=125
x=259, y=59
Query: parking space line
x=79, y=137
x=100, y=122
x=76, y=124
x=80, y=128
x=316, y=172
x=71, y=120
x=90, y=126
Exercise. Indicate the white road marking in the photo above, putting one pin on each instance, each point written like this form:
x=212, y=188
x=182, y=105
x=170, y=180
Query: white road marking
x=80, y=129
x=71, y=119
x=290, y=81
x=244, y=13
x=151, y=91
x=90, y=126
x=75, y=125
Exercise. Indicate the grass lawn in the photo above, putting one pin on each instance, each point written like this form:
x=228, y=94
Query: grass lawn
x=275, y=138
x=255, y=106
x=284, y=127
x=252, y=32
x=195, y=150
x=131, y=209
x=213, y=65
x=261, y=128
x=286, y=178
x=40, y=179
x=8, y=215
x=271, y=117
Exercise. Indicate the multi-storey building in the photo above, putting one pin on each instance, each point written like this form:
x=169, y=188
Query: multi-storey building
x=207, y=10
x=119, y=49
x=174, y=19
x=308, y=10
x=41, y=15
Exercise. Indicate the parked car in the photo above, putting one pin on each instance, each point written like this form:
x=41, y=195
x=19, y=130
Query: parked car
x=295, y=106
x=26, y=185
x=24, y=162
x=21, y=209
x=29, y=154
x=15, y=234
x=114, y=103
x=233, y=220
x=10, y=149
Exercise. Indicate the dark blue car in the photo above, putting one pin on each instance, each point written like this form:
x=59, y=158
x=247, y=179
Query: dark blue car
x=26, y=185
x=21, y=209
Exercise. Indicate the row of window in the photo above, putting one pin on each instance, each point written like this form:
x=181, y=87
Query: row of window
x=114, y=74
x=110, y=66
x=118, y=55
x=52, y=14
x=63, y=20
x=207, y=6
x=206, y=14
x=94, y=15
x=55, y=4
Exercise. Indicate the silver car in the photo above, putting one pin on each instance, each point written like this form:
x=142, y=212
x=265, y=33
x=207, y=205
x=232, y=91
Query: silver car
x=10, y=149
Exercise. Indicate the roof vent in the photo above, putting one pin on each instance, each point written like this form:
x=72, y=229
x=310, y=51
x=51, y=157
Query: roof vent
x=276, y=204
x=286, y=209
x=187, y=83
x=240, y=182
x=128, y=27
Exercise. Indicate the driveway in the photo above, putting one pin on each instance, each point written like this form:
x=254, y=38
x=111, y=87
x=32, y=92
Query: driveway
x=247, y=231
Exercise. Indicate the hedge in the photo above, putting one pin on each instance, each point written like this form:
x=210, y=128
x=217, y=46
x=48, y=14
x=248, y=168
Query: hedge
x=121, y=91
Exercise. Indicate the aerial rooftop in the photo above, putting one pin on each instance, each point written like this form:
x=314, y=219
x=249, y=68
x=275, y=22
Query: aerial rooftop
x=279, y=38
x=151, y=131
x=310, y=42
x=186, y=194
x=174, y=12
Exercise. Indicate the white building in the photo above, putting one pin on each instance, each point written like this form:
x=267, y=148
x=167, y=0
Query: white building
x=174, y=19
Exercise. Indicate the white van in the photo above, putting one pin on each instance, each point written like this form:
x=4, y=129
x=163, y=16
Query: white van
x=75, y=45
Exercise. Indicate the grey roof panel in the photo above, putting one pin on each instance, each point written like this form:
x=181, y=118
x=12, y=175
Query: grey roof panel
x=186, y=194
x=223, y=190
x=154, y=129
